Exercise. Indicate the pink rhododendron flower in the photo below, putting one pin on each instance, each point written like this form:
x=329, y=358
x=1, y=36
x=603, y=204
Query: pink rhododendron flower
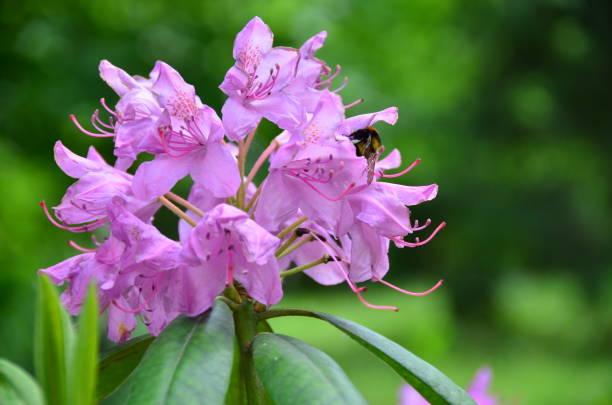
x=478, y=390
x=321, y=208
x=226, y=245
x=86, y=201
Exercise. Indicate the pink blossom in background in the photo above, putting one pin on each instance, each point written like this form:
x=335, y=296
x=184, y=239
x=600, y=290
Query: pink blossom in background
x=478, y=390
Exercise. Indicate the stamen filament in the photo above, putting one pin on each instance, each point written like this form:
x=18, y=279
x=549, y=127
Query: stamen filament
x=416, y=226
x=184, y=203
x=344, y=193
x=396, y=288
x=96, y=116
x=356, y=290
x=176, y=210
x=74, y=245
x=77, y=229
x=291, y=227
x=402, y=242
x=86, y=132
x=139, y=308
x=103, y=102
x=354, y=103
x=299, y=269
x=342, y=86
x=406, y=170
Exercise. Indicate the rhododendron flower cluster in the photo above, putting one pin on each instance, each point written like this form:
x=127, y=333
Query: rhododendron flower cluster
x=315, y=212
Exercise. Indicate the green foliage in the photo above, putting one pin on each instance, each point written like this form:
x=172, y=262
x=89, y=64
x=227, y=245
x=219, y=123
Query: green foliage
x=426, y=379
x=53, y=344
x=190, y=362
x=83, y=369
x=296, y=373
x=66, y=364
x=118, y=363
x=17, y=387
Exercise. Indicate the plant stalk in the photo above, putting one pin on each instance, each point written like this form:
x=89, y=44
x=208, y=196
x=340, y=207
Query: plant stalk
x=245, y=320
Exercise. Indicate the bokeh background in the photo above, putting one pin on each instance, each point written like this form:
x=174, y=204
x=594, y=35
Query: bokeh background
x=507, y=102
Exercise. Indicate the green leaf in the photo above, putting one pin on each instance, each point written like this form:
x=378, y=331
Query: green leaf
x=17, y=387
x=117, y=364
x=425, y=378
x=84, y=365
x=189, y=363
x=296, y=373
x=53, y=337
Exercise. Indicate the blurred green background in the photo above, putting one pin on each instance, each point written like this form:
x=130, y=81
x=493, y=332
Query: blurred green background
x=507, y=103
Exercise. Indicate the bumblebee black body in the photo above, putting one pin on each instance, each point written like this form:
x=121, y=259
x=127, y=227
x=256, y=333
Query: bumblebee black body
x=367, y=144
x=367, y=141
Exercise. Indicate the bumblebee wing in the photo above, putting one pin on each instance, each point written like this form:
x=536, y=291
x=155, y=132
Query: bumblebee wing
x=372, y=166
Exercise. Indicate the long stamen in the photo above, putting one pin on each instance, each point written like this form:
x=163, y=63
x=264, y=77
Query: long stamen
x=139, y=308
x=330, y=78
x=356, y=290
x=74, y=245
x=96, y=115
x=354, y=103
x=95, y=120
x=110, y=111
x=182, y=144
x=416, y=227
x=342, y=195
x=399, y=241
x=396, y=288
x=86, y=132
x=342, y=86
x=77, y=229
x=95, y=240
x=406, y=170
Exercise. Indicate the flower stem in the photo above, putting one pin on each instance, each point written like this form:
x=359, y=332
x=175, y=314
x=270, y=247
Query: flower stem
x=243, y=151
x=299, y=269
x=293, y=247
x=261, y=160
x=245, y=320
x=254, y=198
x=184, y=203
x=176, y=210
x=291, y=227
x=287, y=243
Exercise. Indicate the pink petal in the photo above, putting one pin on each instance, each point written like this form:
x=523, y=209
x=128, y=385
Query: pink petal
x=237, y=119
x=251, y=43
x=72, y=164
x=352, y=124
x=217, y=170
x=158, y=176
x=409, y=195
x=116, y=78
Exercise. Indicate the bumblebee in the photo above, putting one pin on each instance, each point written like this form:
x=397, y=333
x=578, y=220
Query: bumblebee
x=367, y=144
